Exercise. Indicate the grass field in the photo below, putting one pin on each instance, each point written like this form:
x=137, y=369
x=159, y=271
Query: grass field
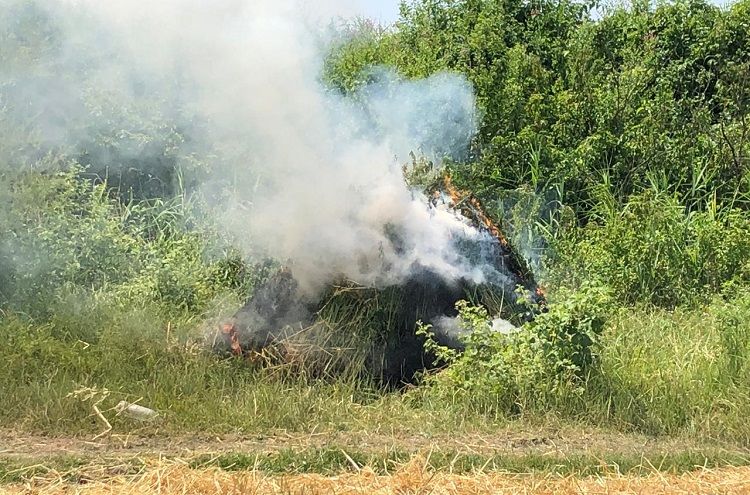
x=679, y=373
x=675, y=420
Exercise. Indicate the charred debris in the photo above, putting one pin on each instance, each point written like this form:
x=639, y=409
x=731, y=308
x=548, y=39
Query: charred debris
x=373, y=330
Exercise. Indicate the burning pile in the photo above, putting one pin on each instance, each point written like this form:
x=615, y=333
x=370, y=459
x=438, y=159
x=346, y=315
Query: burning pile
x=374, y=328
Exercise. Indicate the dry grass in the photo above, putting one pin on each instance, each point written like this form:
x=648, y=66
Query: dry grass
x=173, y=478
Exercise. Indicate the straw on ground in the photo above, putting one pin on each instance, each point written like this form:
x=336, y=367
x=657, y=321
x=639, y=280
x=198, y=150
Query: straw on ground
x=176, y=477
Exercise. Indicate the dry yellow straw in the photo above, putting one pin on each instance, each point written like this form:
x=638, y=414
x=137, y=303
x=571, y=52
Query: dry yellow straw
x=173, y=478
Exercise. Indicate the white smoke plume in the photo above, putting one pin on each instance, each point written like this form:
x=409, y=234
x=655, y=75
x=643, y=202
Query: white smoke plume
x=453, y=332
x=316, y=177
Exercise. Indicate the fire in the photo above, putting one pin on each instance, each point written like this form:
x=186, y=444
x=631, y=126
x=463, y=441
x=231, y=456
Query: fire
x=232, y=337
x=470, y=206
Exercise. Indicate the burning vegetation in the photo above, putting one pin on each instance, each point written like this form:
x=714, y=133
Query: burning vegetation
x=374, y=327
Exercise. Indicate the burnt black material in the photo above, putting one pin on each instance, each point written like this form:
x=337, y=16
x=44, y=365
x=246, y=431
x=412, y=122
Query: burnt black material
x=399, y=355
x=268, y=315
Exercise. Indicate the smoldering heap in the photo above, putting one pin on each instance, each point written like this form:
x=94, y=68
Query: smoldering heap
x=376, y=328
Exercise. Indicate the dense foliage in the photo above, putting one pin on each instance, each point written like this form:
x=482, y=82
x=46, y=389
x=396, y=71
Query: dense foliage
x=641, y=105
x=614, y=145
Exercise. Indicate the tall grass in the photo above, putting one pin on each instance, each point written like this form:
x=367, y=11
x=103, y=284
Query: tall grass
x=60, y=233
x=654, y=250
x=112, y=297
x=659, y=372
x=678, y=371
x=138, y=356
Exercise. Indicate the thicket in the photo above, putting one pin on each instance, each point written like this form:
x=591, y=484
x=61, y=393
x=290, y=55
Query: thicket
x=614, y=146
x=635, y=117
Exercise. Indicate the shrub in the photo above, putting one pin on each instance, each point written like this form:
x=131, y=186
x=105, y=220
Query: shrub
x=61, y=234
x=535, y=368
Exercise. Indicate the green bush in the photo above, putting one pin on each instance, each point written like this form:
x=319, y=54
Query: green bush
x=642, y=93
x=61, y=234
x=538, y=367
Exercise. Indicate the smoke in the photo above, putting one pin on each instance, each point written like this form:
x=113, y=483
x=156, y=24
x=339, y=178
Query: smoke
x=294, y=170
x=452, y=331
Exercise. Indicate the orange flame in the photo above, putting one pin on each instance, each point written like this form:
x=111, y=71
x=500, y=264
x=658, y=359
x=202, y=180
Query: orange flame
x=231, y=335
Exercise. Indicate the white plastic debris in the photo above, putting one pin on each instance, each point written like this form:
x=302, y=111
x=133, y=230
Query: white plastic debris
x=135, y=411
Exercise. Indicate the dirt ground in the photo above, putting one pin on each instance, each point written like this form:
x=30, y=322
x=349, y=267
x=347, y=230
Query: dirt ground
x=167, y=469
x=511, y=441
